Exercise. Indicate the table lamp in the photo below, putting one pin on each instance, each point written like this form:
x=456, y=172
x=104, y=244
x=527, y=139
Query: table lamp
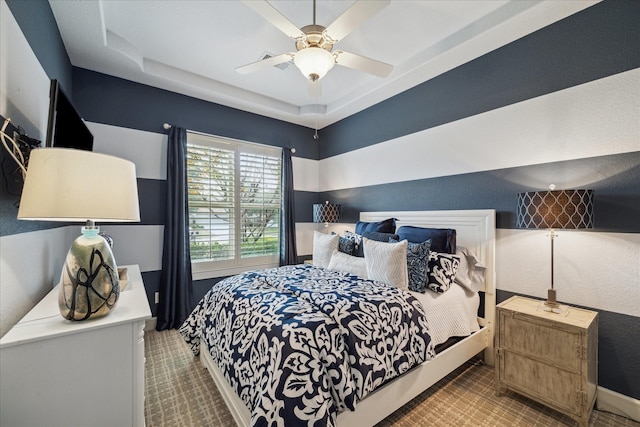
x=326, y=213
x=555, y=209
x=71, y=185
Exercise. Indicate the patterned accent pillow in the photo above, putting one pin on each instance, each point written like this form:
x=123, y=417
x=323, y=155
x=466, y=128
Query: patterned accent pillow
x=442, y=271
x=348, y=264
x=346, y=246
x=323, y=247
x=417, y=264
x=356, y=239
x=387, y=262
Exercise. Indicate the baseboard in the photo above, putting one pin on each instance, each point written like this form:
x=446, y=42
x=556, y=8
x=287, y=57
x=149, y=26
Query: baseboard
x=619, y=404
x=150, y=324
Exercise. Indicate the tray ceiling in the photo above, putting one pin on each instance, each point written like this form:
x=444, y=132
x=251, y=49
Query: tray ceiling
x=193, y=47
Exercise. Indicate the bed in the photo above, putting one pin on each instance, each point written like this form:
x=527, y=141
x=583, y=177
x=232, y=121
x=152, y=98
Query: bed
x=475, y=231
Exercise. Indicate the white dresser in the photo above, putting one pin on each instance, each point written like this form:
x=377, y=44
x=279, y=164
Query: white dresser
x=54, y=372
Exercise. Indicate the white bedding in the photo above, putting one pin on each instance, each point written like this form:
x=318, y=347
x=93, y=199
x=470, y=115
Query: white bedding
x=453, y=313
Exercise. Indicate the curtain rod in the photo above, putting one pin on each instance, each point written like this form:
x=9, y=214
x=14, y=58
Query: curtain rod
x=168, y=126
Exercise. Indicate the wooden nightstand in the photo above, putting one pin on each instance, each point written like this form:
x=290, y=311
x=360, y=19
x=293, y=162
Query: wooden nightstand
x=548, y=357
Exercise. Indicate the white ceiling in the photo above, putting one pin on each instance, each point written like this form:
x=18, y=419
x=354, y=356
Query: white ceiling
x=193, y=47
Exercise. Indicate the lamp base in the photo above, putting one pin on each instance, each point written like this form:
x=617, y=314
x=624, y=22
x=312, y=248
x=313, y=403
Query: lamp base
x=551, y=298
x=551, y=305
x=89, y=283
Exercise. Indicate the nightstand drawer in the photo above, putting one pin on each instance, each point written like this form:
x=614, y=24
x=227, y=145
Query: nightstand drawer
x=559, y=388
x=556, y=344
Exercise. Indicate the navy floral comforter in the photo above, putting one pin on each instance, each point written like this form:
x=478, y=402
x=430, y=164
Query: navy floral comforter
x=300, y=343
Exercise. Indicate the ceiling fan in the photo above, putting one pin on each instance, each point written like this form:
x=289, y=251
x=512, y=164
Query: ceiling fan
x=314, y=43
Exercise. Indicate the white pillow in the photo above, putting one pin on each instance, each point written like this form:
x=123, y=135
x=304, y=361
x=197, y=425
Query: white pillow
x=471, y=272
x=323, y=247
x=387, y=262
x=348, y=264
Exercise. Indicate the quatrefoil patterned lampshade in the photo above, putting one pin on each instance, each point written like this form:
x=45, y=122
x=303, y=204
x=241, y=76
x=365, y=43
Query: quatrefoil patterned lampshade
x=326, y=213
x=559, y=209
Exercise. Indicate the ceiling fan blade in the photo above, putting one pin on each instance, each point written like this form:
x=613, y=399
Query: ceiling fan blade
x=353, y=17
x=314, y=89
x=265, y=63
x=271, y=14
x=362, y=63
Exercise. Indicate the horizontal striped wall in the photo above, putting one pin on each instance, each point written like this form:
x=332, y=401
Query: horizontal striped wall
x=557, y=78
x=31, y=252
x=560, y=106
x=141, y=243
x=596, y=42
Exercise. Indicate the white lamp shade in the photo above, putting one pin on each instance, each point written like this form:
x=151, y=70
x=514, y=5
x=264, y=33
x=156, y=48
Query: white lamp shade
x=314, y=61
x=76, y=185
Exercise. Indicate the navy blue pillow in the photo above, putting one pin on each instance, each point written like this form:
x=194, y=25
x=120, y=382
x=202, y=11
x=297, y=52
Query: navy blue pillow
x=386, y=226
x=442, y=239
x=377, y=236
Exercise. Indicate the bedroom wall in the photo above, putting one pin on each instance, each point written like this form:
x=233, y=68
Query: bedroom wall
x=126, y=120
x=560, y=106
x=31, y=252
x=526, y=115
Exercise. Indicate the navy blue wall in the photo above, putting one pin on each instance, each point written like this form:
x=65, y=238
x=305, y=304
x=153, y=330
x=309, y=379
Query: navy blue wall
x=616, y=193
x=113, y=101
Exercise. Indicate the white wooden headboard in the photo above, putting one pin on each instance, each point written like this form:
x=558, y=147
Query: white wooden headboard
x=475, y=230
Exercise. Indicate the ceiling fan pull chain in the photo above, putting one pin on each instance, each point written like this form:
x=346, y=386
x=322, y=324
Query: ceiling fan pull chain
x=317, y=93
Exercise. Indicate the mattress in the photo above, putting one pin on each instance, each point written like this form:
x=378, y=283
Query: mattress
x=453, y=313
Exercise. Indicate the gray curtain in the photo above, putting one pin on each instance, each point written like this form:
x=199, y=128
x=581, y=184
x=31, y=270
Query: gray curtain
x=288, y=251
x=176, y=289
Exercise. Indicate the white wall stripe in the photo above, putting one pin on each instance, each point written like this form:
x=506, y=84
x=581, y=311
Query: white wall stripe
x=30, y=266
x=594, y=119
x=137, y=244
x=597, y=270
x=306, y=174
x=147, y=150
x=24, y=85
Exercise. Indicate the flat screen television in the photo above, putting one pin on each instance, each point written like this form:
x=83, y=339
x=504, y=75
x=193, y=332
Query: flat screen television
x=65, y=127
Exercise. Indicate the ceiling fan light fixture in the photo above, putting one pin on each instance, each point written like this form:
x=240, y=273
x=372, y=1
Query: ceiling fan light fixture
x=314, y=62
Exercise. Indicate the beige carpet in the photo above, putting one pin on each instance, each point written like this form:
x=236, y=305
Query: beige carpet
x=180, y=392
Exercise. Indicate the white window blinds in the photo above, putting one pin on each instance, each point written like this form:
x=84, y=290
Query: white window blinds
x=234, y=199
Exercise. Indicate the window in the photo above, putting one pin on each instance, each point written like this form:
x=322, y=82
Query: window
x=234, y=197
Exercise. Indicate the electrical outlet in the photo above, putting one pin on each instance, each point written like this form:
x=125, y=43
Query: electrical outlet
x=157, y=297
